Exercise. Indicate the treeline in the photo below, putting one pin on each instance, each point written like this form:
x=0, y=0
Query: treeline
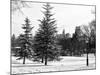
x=47, y=45
x=83, y=40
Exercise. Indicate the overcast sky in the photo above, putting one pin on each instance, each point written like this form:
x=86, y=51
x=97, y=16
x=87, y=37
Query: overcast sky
x=67, y=16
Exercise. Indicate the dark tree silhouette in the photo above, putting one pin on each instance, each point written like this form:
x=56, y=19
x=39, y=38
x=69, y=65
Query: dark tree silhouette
x=90, y=33
x=24, y=41
x=45, y=43
x=13, y=41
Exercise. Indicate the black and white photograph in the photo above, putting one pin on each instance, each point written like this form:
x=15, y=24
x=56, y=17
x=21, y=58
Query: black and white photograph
x=52, y=37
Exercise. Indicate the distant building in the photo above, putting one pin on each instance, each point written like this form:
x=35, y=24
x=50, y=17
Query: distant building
x=63, y=35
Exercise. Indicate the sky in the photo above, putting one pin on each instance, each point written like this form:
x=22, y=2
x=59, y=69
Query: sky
x=67, y=17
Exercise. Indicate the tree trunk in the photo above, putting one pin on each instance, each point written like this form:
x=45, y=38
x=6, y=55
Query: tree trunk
x=46, y=59
x=24, y=60
x=87, y=60
x=42, y=60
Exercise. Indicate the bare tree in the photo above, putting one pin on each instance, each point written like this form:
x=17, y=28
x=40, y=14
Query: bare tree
x=17, y=5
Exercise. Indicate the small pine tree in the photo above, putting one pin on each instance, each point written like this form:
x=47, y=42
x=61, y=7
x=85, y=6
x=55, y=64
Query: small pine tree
x=24, y=42
x=13, y=44
x=13, y=39
x=45, y=43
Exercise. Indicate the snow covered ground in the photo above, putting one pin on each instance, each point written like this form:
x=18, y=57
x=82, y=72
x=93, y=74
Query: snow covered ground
x=66, y=64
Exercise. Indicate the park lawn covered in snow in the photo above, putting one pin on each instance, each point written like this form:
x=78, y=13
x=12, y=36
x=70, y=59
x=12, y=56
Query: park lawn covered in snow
x=67, y=63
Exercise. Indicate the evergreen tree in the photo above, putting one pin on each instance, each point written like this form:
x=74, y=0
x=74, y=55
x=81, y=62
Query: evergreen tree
x=13, y=39
x=24, y=41
x=13, y=44
x=45, y=41
x=77, y=42
x=63, y=42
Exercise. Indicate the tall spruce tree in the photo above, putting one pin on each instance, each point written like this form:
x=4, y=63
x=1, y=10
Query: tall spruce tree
x=45, y=41
x=24, y=41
